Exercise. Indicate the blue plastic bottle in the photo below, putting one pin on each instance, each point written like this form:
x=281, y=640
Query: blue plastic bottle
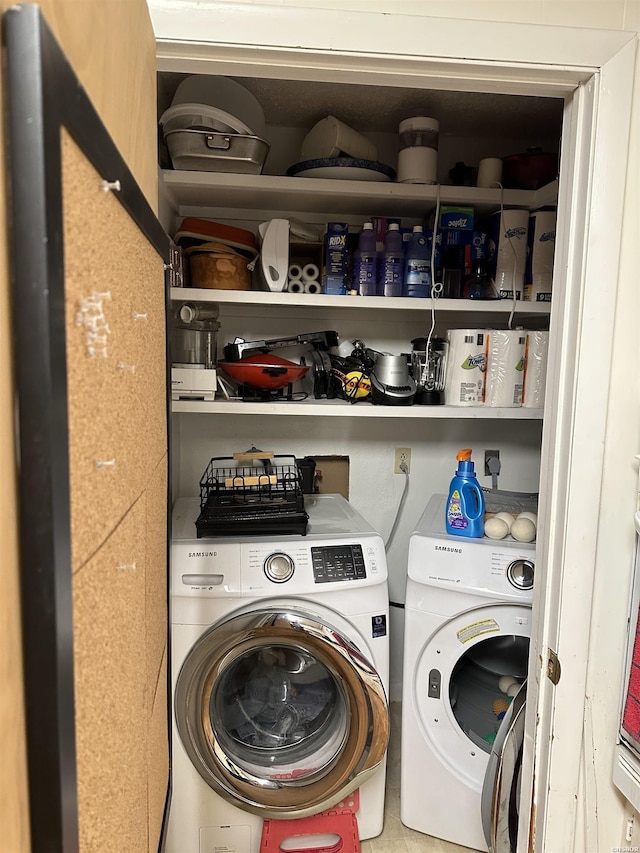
x=465, y=504
x=417, y=271
x=365, y=263
x=392, y=261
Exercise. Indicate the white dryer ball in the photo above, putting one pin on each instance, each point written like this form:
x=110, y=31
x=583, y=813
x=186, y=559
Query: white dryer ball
x=506, y=517
x=530, y=515
x=505, y=682
x=511, y=691
x=523, y=529
x=495, y=528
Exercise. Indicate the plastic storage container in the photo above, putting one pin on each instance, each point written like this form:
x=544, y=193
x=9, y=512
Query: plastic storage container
x=465, y=503
x=365, y=263
x=392, y=264
x=417, y=270
x=418, y=154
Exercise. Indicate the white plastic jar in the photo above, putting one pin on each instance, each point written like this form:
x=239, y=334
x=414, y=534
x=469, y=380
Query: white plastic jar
x=418, y=154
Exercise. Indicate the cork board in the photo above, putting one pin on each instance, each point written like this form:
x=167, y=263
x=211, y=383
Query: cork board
x=116, y=354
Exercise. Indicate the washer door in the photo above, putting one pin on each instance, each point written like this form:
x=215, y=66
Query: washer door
x=459, y=688
x=280, y=712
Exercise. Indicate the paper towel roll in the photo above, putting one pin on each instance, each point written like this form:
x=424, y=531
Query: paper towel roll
x=295, y=271
x=535, y=369
x=466, y=365
x=295, y=285
x=310, y=272
x=508, y=251
x=538, y=275
x=312, y=287
x=489, y=172
x=505, y=368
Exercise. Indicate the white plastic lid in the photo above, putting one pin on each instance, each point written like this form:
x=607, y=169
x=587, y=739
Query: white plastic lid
x=182, y=116
x=224, y=94
x=419, y=123
x=417, y=229
x=368, y=226
x=393, y=226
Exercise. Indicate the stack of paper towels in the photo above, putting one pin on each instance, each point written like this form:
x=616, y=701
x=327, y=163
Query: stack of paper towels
x=303, y=279
x=495, y=367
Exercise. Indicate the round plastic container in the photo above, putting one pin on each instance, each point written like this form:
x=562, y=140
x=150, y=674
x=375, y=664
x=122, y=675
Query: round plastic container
x=418, y=154
x=225, y=94
x=200, y=116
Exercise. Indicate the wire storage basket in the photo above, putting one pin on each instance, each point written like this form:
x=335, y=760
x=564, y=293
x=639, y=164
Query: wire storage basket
x=264, y=497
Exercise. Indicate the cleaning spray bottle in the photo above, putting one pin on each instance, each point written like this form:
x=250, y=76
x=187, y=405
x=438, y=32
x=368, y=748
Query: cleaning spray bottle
x=465, y=504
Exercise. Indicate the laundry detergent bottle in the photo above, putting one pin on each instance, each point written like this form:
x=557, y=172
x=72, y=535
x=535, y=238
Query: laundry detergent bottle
x=465, y=504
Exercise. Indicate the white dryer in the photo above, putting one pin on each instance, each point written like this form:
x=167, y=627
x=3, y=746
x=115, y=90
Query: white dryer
x=467, y=626
x=280, y=660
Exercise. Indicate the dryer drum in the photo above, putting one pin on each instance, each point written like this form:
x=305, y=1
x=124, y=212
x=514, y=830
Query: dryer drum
x=280, y=713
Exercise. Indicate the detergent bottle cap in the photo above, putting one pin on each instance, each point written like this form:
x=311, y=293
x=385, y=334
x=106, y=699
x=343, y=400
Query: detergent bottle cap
x=465, y=465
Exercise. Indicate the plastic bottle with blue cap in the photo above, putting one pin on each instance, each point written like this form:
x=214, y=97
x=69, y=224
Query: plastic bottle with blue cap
x=465, y=503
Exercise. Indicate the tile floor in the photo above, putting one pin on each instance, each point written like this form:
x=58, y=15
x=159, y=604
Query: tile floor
x=395, y=837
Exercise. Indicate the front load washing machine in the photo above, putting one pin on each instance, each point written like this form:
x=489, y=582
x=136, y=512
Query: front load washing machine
x=280, y=665
x=466, y=645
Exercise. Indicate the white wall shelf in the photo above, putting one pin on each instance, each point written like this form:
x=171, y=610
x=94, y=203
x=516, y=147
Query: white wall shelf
x=189, y=191
x=274, y=303
x=341, y=408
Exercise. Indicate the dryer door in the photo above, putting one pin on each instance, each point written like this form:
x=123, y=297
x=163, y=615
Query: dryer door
x=501, y=789
x=280, y=712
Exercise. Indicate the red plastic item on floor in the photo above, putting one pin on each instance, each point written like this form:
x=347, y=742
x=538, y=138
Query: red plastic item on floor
x=340, y=820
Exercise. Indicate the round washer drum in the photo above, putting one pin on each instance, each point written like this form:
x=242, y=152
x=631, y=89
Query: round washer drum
x=280, y=712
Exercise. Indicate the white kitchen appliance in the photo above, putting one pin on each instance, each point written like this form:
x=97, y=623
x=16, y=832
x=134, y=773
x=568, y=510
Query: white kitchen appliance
x=273, y=264
x=194, y=351
x=280, y=660
x=467, y=629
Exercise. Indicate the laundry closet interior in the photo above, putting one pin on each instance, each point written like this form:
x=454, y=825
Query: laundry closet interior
x=473, y=125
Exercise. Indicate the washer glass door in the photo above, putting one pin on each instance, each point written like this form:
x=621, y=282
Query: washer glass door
x=280, y=712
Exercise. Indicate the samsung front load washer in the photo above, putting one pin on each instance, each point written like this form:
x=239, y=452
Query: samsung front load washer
x=280, y=660
x=466, y=646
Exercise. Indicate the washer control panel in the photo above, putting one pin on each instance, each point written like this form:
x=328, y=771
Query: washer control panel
x=335, y=563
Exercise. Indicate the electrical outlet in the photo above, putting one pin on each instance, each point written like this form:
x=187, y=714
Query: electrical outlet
x=403, y=454
x=489, y=454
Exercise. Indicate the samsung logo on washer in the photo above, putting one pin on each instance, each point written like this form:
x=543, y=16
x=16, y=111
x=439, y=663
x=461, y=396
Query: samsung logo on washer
x=203, y=553
x=448, y=548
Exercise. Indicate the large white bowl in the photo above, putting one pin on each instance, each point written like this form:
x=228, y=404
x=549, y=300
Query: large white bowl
x=225, y=94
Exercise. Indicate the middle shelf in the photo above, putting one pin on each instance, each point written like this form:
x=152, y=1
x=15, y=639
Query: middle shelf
x=340, y=408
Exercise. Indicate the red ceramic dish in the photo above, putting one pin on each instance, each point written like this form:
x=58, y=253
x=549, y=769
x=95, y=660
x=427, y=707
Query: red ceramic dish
x=264, y=371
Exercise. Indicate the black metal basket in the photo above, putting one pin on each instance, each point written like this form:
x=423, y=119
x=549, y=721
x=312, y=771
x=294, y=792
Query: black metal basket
x=265, y=497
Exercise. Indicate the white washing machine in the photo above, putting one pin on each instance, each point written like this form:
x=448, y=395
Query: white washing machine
x=280, y=666
x=467, y=626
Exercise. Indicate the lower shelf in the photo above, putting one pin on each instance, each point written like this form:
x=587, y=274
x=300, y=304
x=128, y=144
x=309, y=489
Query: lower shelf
x=342, y=409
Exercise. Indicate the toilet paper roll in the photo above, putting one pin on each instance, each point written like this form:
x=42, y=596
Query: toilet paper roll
x=310, y=272
x=507, y=251
x=295, y=271
x=535, y=369
x=295, y=285
x=505, y=368
x=466, y=366
x=312, y=286
x=489, y=172
x=541, y=244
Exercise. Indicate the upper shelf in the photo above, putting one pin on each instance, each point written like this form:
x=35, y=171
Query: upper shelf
x=188, y=190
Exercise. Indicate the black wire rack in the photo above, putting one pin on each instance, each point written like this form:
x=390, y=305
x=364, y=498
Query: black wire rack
x=265, y=497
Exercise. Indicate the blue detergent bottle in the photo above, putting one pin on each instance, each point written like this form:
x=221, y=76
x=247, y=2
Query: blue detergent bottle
x=465, y=504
